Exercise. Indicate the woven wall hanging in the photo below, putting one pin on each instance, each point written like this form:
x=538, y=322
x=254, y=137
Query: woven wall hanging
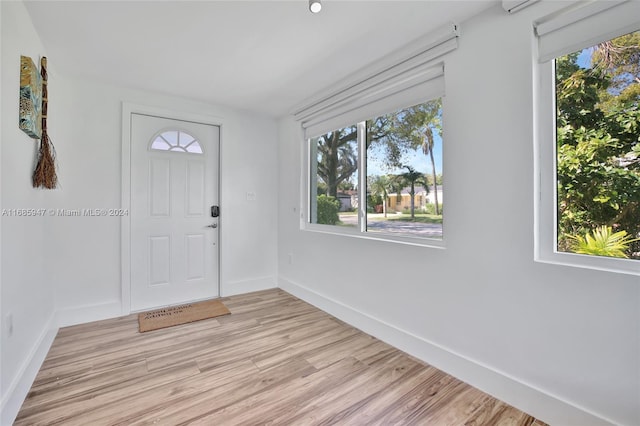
x=45, y=175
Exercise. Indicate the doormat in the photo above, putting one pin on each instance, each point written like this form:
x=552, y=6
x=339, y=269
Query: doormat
x=181, y=314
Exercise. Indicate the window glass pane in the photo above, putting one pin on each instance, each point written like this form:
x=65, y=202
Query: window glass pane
x=598, y=149
x=171, y=137
x=404, y=171
x=184, y=139
x=334, y=178
x=176, y=141
x=194, y=148
x=160, y=144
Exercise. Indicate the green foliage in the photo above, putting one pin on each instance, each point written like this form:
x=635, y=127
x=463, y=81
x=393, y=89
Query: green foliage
x=409, y=129
x=431, y=208
x=372, y=201
x=327, y=210
x=619, y=59
x=419, y=218
x=602, y=242
x=321, y=188
x=378, y=186
x=346, y=185
x=598, y=146
x=438, y=179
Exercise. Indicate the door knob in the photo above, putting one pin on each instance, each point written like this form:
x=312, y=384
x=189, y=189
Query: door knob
x=213, y=225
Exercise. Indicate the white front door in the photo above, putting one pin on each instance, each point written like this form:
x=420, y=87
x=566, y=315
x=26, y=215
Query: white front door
x=174, y=236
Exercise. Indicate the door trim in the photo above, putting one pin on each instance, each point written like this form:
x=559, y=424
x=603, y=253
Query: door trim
x=125, y=221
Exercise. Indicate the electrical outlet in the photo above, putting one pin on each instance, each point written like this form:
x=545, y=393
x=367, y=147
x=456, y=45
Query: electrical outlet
x=251, y=196
x=9, y=324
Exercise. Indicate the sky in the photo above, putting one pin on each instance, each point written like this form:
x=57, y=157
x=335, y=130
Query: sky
x=584, y=58
x=418, y=160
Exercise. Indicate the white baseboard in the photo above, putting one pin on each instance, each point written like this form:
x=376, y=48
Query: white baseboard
x=19, y=387
x=247, y=286
x=89, y=313
x=542, y=405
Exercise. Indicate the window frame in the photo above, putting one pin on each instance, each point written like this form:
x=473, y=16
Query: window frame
x=359, y=231
x=545, y=182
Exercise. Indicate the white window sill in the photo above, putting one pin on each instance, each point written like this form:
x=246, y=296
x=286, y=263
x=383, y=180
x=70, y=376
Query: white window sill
x=600, y=263
x=352, y=232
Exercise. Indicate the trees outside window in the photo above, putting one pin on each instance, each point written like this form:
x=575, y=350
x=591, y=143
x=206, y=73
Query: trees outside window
x=402, y=155
x=598, y=149
x=337, y=158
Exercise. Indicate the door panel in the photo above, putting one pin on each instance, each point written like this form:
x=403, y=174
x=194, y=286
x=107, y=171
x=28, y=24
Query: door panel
x=195, y=188
x=195, y=259
x=174, y=183
x=159, y=260
x=159, y=186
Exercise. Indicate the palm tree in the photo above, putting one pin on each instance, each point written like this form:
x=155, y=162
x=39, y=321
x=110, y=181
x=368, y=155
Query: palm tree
x=602, y=241
x=413, y=178
x=427, y=148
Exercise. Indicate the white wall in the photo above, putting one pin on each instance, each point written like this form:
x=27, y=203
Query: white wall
x=85, y=265
x=66, y=270
x=560, y=342
x=26, y=293
x=2, y=324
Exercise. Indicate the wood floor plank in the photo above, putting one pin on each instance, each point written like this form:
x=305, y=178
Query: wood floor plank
x=274, y=360
x=88, y=383
x=334, y=352
x=381, y=407
x=492, y=411
x=262, y=343
x=300, y=348
x=320, y=408
x=120, y=343
x=73, y=410
x=118, y=352
x=284, y=399
x=216, y=394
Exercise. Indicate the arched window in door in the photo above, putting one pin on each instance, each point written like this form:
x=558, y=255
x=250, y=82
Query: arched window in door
x=177, y=141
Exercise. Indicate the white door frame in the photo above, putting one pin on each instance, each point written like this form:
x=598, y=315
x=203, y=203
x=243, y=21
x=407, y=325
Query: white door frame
x=125, y=221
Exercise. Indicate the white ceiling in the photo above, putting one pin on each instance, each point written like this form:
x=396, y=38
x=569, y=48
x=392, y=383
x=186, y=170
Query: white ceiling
x=263, y=56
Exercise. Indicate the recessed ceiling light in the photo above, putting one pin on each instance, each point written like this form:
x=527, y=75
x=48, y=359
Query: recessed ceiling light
x=315, y=6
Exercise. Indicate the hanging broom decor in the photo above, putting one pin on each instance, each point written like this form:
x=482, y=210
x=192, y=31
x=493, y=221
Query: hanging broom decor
x=44, y=175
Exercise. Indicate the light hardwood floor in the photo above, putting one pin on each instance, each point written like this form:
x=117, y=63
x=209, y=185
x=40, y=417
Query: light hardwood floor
x=275, y=360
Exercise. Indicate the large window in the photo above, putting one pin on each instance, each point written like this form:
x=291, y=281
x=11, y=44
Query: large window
x=598, y=149
x=588, y=137
x=375, y=146
x=382, y=175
